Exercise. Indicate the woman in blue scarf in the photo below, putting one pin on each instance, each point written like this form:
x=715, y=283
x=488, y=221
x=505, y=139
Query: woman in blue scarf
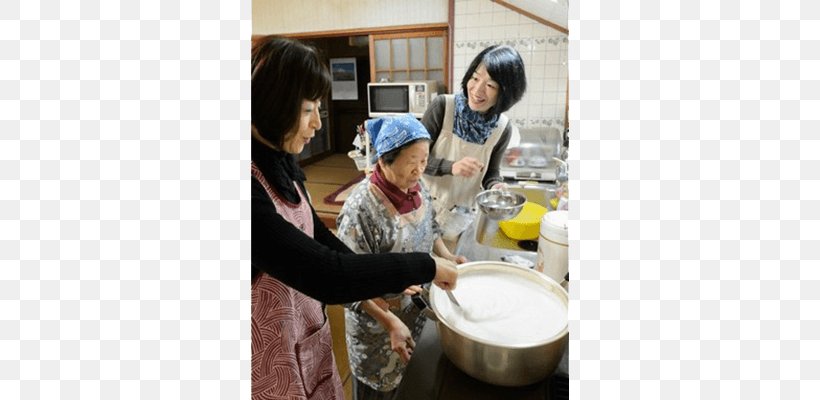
x=389, y=212
x=470, y=133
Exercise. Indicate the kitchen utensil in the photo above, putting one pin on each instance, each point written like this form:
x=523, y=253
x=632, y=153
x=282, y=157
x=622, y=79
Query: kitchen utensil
x=489, y=360
x=453, y=298
x=500, y=204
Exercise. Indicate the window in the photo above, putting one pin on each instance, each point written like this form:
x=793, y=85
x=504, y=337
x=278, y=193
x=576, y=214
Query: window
x=410, y=56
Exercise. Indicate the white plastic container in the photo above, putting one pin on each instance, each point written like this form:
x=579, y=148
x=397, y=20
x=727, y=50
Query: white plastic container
x=553, y=258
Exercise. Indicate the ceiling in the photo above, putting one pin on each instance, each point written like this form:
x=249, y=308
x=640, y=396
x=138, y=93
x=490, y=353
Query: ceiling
x=555, y=11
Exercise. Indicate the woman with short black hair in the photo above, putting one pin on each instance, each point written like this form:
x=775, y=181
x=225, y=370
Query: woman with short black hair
x=470, y=131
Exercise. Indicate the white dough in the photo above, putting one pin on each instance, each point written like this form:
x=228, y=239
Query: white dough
x=504, y=309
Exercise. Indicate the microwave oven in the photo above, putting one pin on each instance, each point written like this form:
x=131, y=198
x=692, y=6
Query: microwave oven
x=391, y=98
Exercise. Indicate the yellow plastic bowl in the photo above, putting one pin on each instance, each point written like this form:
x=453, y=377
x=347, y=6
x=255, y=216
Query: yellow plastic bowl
x=525, y=225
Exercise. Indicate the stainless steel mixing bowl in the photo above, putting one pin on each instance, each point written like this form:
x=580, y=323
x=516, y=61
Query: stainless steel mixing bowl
x=500, y=204
x=505, y=365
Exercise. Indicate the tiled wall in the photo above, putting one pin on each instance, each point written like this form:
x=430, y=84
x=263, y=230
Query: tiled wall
x=480, y=23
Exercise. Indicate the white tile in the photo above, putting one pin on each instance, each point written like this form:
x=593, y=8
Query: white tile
x=541, y=30
x=472, y=33
x=460, y=7
x=534, y=72
x=511, y=31
x=493, y=32
x=549, y=71
x=548, y=111
x=562, y=85
x=524, y=29
x=537, y=96
x=528, y=64
x=474, y=6
x=539, y=58
x=563, y=72
x=512, y=18
x=535, y=110
x=558, y=97
x=476, y=20
x=554, y=57
x=513, y=111
x=497, y=19
x=460, y=21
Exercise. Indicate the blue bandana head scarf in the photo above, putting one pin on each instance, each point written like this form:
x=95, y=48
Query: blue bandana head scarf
x=470, y=125
x=390, y=133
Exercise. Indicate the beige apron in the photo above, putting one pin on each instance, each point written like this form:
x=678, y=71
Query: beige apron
x=449, y=191
x=291, y=346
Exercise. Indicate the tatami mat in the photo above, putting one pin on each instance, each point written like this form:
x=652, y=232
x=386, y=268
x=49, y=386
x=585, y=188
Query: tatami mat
x=333, y=175
x=325, y=177
x=318, y=192
x=338, y=161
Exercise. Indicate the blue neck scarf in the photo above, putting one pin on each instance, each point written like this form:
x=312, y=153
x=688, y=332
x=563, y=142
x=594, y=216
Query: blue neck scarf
x=470, y=125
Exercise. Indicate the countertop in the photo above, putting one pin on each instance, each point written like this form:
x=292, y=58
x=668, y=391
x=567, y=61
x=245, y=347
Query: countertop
x=484, y=241
x=430, y=375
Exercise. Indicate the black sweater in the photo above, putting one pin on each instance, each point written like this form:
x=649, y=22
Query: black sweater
x=321, y=267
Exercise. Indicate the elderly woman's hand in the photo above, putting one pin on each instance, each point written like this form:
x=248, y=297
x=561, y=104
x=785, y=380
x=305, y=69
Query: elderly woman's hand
x=401, y=340
x=459, y=259
x=411, y=290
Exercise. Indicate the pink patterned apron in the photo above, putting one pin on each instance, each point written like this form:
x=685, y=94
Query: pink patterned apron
x=292, y=356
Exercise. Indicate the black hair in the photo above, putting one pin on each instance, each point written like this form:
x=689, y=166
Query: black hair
x=284, y=73
x=390, y=157
x=505, y=66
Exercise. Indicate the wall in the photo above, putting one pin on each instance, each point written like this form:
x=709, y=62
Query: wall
x=297, y=16
x=480, y=23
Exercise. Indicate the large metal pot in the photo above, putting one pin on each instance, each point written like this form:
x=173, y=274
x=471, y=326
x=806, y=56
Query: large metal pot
x=500, y=364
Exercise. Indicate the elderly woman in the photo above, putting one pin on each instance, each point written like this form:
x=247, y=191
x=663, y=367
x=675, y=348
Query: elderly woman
x=389, y=212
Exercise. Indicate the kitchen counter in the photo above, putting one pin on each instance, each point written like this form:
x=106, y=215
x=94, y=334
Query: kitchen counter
x=484, y=241
x=431, y=376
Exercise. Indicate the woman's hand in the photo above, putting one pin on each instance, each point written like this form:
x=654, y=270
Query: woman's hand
x=458, y=259
x=446, y=274
x=467, y=166
x=401, y=341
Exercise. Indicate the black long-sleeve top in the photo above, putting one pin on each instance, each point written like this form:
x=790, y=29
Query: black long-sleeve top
x=433, y=119
x=321, y=267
